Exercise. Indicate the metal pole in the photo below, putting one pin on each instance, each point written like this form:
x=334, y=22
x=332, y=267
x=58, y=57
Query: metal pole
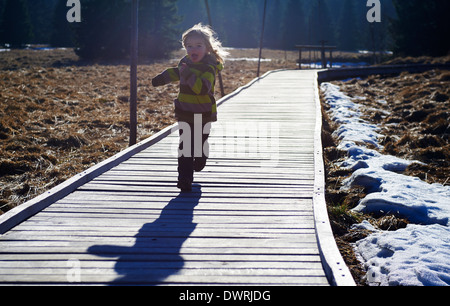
x=208, y=12
x=133, y=71
x=322, y=54
x=222, y=90
x=262, y=38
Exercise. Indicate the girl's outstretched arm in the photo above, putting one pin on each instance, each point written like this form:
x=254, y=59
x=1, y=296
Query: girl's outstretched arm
x=168, y=76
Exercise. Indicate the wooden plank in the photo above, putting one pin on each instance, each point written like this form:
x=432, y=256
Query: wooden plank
x=75, y=249
x=228, y=181
x=196, y=246
x=123, y=207
x=237, y=280
x=103, y=251
x=142, y=269
x=81, y=218
x=171, y=238
x=127, y=223
x=84, y=198
x=236, y=209
x=108, y=266
x=236, y=189
x=42, y=232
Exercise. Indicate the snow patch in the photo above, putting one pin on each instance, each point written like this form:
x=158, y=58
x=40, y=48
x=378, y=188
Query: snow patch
x=417, y=255
x=248, y=59
x=414, y=256
x=352, y=128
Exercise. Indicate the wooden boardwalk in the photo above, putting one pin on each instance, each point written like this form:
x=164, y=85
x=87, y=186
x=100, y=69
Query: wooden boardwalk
x=250, y=220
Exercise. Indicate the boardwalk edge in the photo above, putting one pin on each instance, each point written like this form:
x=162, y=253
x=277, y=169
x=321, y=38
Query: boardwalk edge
x=334, y=265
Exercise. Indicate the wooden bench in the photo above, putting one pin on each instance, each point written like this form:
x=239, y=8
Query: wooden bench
x=322, y=48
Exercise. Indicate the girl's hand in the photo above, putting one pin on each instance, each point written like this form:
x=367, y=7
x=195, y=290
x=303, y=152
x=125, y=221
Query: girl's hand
x=183, y=67
x=185, y=72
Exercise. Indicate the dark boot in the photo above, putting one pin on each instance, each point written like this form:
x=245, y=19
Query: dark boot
x=185, y=185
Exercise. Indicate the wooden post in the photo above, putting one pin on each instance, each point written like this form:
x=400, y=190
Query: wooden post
x=222, y=90
x=331, y=58
x=262, y=38
x=322, y=55
x=133, y=71
x=300, y=58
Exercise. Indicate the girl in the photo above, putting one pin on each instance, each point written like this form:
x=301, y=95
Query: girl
x=195, y=106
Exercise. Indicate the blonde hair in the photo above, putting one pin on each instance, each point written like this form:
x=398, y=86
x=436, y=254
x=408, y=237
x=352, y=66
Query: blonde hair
x=210, y=37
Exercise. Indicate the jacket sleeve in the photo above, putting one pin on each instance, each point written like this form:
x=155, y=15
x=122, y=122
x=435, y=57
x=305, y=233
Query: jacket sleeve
x=168, y=76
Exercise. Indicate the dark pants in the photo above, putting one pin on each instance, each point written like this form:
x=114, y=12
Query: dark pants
x=193, y=150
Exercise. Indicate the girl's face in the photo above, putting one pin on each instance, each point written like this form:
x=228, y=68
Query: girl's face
x=195, y=48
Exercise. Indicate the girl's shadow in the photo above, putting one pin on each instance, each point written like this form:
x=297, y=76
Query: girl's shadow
x=156, y=252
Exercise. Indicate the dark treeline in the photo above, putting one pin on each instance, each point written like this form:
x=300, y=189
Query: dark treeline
x=290, y=22
x=413, y=27
x=422, y=27
x=26, y=21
